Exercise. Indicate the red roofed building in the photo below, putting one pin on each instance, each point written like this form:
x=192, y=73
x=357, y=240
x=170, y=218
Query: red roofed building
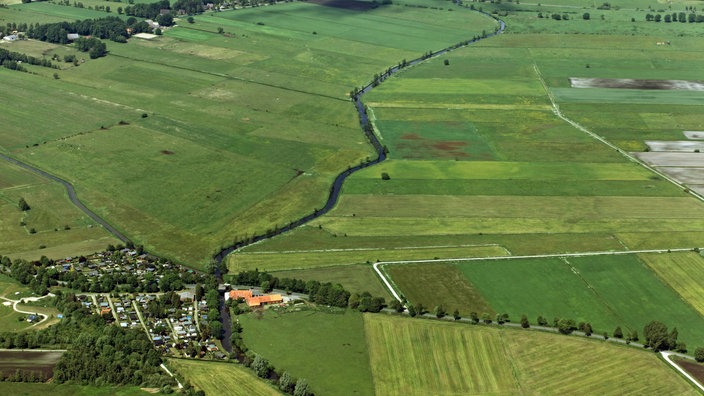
x=255, y=301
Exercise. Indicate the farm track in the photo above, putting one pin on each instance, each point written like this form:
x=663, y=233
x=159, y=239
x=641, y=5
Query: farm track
x=71, y=196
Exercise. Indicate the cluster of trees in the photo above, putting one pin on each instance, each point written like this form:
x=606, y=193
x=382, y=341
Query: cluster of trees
x=112, y=28
x=96, y=353
x=13, y=61
x=191, y=7
x=148, y=10
x=214, y=325
x=659, y=339
x=675, y=17
x=94, y=47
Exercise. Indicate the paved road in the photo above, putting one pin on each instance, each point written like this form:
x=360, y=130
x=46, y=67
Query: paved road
x=71, y=195
x=666, y=355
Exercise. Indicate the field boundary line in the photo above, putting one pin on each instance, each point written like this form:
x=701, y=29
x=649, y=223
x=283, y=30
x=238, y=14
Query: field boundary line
x=370, y=249
x=379, y=264
x=556, y=110
x=666, y=355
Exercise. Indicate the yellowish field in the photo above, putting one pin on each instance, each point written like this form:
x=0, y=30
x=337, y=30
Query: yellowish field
x=549, y=364
x=684, y=272
x=272, y=261
x=420, y=357
x=222, y=378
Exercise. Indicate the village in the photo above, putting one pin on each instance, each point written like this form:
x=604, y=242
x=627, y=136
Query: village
x=134, y=290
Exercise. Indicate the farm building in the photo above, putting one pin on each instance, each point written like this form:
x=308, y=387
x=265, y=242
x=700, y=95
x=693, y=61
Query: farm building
x=252, y=300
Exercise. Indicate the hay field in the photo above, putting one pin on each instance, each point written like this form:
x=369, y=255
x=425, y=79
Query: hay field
x=222, y=378
x=354, y=278
x=327, y=349
x=684, y=272
x=463, y=359
x=419, y=357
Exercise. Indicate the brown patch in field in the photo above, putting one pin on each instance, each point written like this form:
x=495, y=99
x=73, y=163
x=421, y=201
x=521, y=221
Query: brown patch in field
x=167, y=152
x=629, y=83
x=414, y=146
x=411, y=136
x=449, y=146
x=696, y=370
x=353, y=5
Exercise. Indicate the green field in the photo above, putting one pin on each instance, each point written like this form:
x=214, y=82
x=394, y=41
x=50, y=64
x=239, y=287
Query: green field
x=434, y=284
x=329, y=350
x=605, y=290
x=419, y=357
x=684, y=272
x=11, y=320
x=354, y=278
x=222, y=378
x=226, y=106
x=50, y=214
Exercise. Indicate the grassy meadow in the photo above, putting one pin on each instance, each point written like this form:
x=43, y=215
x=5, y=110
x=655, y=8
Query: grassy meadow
x=60, y=229
x=354, y=278
x=418, y=357
x=222, y=378
x=329, y=350
x=262, y=110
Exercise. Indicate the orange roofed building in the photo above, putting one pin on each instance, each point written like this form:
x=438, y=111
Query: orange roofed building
x=255, y=301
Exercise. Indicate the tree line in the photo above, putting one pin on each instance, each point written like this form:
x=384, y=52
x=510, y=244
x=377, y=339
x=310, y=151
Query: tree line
x=13, y=61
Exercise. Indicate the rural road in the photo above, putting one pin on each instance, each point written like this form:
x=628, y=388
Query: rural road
x=666, y=355
x=71, y=195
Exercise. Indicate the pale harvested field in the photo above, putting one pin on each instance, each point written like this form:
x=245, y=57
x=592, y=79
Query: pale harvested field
x=422, y=357
x=684, y=272
x=672, y=159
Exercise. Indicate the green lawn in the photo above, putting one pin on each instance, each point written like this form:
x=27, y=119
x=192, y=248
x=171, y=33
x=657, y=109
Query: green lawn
x=222, y=378
x=329, y=350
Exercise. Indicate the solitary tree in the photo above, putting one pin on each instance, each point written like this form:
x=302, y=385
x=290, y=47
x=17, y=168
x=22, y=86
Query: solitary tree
x=586, y=16
x=474, y=316
x=618, y=333
x=260, y=366
x=23, y=205
x=486, y=318
x=301, y=388
x=439, y=311
x=541, y=321
x=699, y=354
x=524, y=321
x=456, y=314
x=566, y=326
x=286, y=382
x=411, y=310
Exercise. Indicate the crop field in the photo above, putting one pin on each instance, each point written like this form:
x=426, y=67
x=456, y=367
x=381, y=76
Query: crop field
x=606, y=291
x=683, y=272
x=354, y=278
x=222, y=378
x=333, y=361
x=266, y=118
x=274, y=260
x=38, y=362
x=416, y=357
x=447, y=285
x=419, y=357
x=34, y=389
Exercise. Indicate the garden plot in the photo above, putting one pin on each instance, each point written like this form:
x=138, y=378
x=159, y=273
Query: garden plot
x=629, y=83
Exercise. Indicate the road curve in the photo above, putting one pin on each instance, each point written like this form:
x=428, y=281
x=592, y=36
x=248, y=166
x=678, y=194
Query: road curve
x=666, y=355
x=71, y=195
